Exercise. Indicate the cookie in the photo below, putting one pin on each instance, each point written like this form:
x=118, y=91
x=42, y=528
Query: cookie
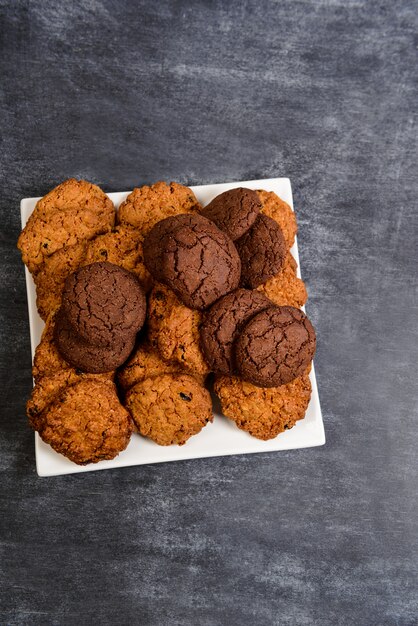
x=47, y=388
x=234, y=211
x=147, y=205
x=222, y=324
x=85, y=356
x=104, y=303
x=86, y=422
x=146, y=362
x=262, y=251
x=73, y=212
x=52, y=275
x=122, y=247
x=286, y=288
x=173, y=329
x=275, y=347
x=47, y=359
x=280, y=211
x=169, y=409
x=263, y=413
x=194, y=258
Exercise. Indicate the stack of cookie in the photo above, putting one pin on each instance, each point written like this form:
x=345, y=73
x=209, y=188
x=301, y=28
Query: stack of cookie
x=209, y=274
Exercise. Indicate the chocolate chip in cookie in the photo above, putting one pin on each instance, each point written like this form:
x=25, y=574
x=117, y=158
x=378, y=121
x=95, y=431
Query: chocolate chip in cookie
x=103, y=303
x=234, y=211
x=194, y=258
x=222, y=324
x=275, y=347
x=262, y=251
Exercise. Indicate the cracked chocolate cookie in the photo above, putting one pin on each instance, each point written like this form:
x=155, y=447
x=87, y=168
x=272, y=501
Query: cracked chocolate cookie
x=86, y=422
x=280, y=211
x=234, y=211
x=286, y=288
x=194, y=258
x=85, y=356
x=263, y=413
x=147, y=205
x=103, y=303
x=169, y=409
x=262, y=251
x=222, y=324
x=173, y=329
x=72, y=212
x=275, y=346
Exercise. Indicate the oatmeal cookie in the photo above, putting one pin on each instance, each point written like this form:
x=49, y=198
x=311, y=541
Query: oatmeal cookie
x=52, y=275
x=234, y=211
x=122, y=247
x=147, y=205
x=146, y=362
x=86, y=422
x=286, y=288
x=263, y=413
x=262, y=251
x=280, y=211
x=275, y=347
x=169, y=409
x=173, y=329
x=72, y=212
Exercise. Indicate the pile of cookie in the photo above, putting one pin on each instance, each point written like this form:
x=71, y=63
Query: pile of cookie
x=142, y=304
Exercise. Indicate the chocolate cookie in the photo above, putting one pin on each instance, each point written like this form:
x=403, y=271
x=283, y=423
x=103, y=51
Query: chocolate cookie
x=147, y=205
x=123, y=247
x=234, y=211
x=84, y=355
x=281, y=212
x=74, y=211
x=275, y=347
x=263, y=413
x=169, y=409
x=262, y=251
x=173, y=329
x=195, y=259
x=86, y=422
x=222, y=324
x=103, y=303
x=286, y=289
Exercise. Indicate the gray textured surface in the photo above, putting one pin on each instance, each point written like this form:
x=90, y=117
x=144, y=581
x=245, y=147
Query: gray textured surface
x=326, y=93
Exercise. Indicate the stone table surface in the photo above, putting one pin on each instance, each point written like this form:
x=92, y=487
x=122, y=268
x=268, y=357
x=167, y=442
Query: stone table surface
x=127, y=93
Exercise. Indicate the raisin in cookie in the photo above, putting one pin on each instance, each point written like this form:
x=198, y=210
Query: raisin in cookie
x=263, y=413
x=147, y=205
x=169, y=409
x=73, y=212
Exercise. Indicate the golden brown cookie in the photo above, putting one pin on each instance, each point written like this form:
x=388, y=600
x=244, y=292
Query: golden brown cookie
x=169, y=409
x=147, y=205
x=47, y=388
x=174, y=329
x=263, y=413
x=146, y=362
x=286, y=288
x=86, y=422
x=74, y=211
x=52, y=274
x=123, y=247
x=280, y=211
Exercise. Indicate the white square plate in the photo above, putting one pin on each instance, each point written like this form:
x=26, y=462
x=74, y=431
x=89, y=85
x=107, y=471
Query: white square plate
x=221, y=437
